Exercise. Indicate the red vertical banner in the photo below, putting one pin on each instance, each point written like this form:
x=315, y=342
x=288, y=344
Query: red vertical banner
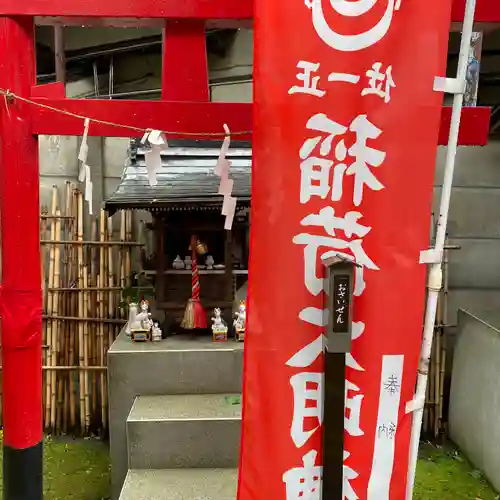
x=345, y=135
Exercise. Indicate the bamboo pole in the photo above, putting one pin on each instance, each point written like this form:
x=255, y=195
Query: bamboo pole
x=72, y=368
x=111, y=284
x=57, y=330
x=81, y=338
x=442, y=369
x=123, y=228
x=73, y=309
x=432, y=380
x=68, y=222
x=112, y=321
x=128, y=248
x=102, y=313
x=53, y=217
x=91, y=243
x=86, y=345
x=43, y=255
x=63, y=382
x=44, y=260
x=425, y=421
x=437, y=379
x=93, y=289
x=94, y=327
x=50, y=310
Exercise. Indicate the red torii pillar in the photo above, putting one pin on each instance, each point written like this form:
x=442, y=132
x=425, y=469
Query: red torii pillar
x=21, y=295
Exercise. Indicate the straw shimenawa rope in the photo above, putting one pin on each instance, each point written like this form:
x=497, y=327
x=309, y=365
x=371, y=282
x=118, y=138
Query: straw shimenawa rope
x=8, y=95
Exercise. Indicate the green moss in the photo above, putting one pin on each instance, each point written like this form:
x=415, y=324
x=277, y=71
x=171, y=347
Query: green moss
x=76, y=469
x=444, y=474
x=79, y=470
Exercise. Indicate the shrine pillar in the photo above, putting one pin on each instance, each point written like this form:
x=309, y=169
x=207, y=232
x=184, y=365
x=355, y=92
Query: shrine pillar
x=21, y=296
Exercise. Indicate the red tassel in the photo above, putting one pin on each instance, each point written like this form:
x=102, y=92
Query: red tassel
x=200, y=316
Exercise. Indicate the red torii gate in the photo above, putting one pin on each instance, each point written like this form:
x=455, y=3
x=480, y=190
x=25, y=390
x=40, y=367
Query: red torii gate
x=184, y=107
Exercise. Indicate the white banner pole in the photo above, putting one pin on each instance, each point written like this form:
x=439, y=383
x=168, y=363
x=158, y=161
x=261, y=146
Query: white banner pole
x=457, y=87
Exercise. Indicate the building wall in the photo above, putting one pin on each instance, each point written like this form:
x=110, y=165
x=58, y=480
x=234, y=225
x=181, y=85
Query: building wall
x=475, y=393
x=474, y=224
x=76, y=38
x=59, y=161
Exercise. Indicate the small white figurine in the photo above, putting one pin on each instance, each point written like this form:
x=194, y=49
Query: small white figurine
x=132, y=319
x=178, y=263
x=240, y=322
x=217, y=320
x=157, y=334
x=188, y=262
x=210, y=262
x=144, y=317
x=219, y=327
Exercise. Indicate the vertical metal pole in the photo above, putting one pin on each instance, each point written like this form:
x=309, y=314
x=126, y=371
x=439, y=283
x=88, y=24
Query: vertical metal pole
x=333, y=426
x=340, y=286
x=435, y=273
x=21, y=295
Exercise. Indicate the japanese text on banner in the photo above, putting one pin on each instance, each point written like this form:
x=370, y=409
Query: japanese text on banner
x=332, y=152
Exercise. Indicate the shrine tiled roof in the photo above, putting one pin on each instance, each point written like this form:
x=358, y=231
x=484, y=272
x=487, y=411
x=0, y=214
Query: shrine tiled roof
x=186, y=177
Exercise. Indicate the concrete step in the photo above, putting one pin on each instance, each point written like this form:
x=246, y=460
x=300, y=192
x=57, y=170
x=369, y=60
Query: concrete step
x=184, y=431
x=177, y=365
x=180, y=484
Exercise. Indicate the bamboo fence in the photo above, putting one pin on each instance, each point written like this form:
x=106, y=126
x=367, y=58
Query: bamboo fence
x=83, y=278
x=433, y=425
x=82, y=285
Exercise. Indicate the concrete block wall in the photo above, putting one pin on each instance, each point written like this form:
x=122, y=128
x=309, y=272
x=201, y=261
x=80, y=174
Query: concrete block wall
x=475, y=393
x=59, y=164
x=474, y=224
x=59, y=159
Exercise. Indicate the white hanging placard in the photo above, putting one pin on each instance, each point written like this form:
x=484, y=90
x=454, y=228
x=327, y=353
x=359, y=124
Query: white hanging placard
x=222, y=167
x=222, y=163
x=229, y=210
x=145, y=137
x=156, y=138
x=88, y=187
x=84, y=147
x=228, y=204
x=157, y=141
x=81, y=173
x=153, y=164
x=226, y=186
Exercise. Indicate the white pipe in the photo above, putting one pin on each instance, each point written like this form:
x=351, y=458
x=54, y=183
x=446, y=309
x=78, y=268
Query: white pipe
x=435, y=273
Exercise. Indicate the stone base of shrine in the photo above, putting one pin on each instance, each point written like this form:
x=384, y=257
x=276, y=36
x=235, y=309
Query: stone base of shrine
x=175, y=418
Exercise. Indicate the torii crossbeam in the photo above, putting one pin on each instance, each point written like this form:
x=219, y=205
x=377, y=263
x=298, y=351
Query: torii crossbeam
x=184, y=107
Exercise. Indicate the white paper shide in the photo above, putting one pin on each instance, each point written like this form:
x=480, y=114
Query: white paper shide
x=226, y=183
x=84, y=174
x=156, y=142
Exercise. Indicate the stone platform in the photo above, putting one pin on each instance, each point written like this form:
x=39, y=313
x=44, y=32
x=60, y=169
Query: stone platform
x=174, y=418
